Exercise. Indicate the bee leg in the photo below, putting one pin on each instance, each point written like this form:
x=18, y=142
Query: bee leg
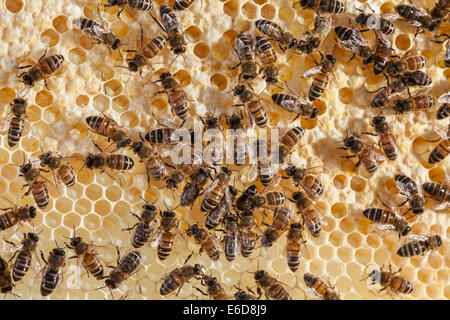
x=357, y=164
x=232, y=68
x=118, y=14
x=24, y=67
x=353, y=57
x=43, y=258
x=349, y=157
x=370, y=133
x=118, y=255
x=130, y=228
x=45, y=83
x=199, y=290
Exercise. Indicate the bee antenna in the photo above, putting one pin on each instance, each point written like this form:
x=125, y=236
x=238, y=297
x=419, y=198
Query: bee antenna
x=101, y=288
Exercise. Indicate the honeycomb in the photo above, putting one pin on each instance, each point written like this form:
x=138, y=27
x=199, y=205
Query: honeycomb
x=90, y=83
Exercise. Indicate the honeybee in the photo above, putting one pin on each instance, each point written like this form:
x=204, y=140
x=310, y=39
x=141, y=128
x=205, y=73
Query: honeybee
x=213, y=151
x=111, y=161
x=6, y=284
x=311, y=215
x=167, y=234
x=420, y=246
x=309, y=183
x=64, y=171
x=86, y=251
x=218, y=214
x=271, y=286
x=174, y=29
x=439, y=192
x=231, y=240
x=253, y=105
x=380, y=22
x=322, y=26
x=295, y=104
x=139, y=5
x=412, y=192
x=155, y=167
x=289, y=140
x=245, y=50
x=329, y=6
x=407, y=63
x=52, y=270
x=178, y=277
x=15, y=215
x=177, y=97
x=14, y=122
x=124, y=269
x=239, y=145
x=217, y=190
x=109, y=128
x=215, y=290
x=417, y=17
x=144, y=228
x=268, y=199
x=320, y=73
x=148, y=51
x=192, y=189
x=162, y=136
x=367, y=155
x=418, y=102
x=182, y=4
x=391, y=282
x=45, y=67
x=99, y=31
x=442, y=150
x=440, y=10
x=268, y=58
x=293, y=246
x=24, y=252
x=264, y=169
x=387, y=138
x=272, y=30
x=280, y=223
x=37, y=187
x=324, y=290
x=249, y=235
x=353, y=41
x=207, y=241
x=382, y=54
x=444, y=110
x=242, y=295
x=243, y=200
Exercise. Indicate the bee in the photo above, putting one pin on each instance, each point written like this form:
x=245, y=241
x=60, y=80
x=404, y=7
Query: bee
x=293, y=246
x=192, y=189
x=231, y=240
x=218, y=214
x=412, y=192
x=15, y=215
x=447, y=55
x=440, y=10
x=98, y=31
x=37, y=187
x=64, y=171
x=353, y=41
x=207, y=241
x=109, y=128
x=271, y=286
x=124, y=269
x=289, y=140
x=174, y=29
x=320, y=73
x=239, y=145
x=389, y=280
x=407, y=63
x=24, y=252
x=418, y=102
x=265, y=169
x=311, y=216
x=52, y=270
x=329, y=6
x=217, y=190
x=182, y=4
x=380, y=22
x=6, y=284
x=439, y=192
x=245, y=50
x=144, y=228
x=177, y=97
x=268, y=58
x=382, y=54
x=139, y=5
x=280, y=223
x=387, y=138
x=322, y=289
x=367, y=155
x=309, y=183
x=166, y=234
x=249, y=236
x=178, y=277
x=150, y=50
x=45, y=67
x=14, y=122
x=155, y=167
x=268, y=199
x=420, y=246
x=162, y=136
x=253, y=105
x=175, y=178
x=444, y=110
x=442, y=150
x=213, y=151
x=247, y=195
x=276, y=33
x=111, y=161
x=296, y=104
x=322, y=26
x=86, y=251
x=242, y=295
x=215, y=290
x=417, y=17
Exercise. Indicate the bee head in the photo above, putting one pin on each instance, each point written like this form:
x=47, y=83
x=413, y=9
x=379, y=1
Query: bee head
x=259, y=275
x=149, y=207
x=32, y=212
x=361, y=19
x=33, y=237
x=116, y=44
x=238, y=90
x=28, y=80
x=298, y=195
x=75, y=241
x=25, y=168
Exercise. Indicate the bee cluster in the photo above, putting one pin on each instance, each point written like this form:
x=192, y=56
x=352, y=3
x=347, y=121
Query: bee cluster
x=211, y=210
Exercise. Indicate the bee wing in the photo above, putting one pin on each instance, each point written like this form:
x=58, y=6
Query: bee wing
x=391, y=16
x=376, y=154
x=180, y=241
x=154, y=241
x=312, y=71
x=442, y=131
x=295, y=104
x=382, y=39
x=404, y=188
x=210, y=187
x=274, y=182
x=171, y=24
x=4, y=125
x=96, y=31
x=322, y=26
x=252, y=173
x=416, y=237
x=441, y=206
x=445, y=98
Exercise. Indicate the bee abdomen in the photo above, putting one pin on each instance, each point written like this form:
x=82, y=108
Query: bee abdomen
x=378, y=215
x=443, y=112
x=293, y=256
x=141, y=5
x=169, y=285
x=259, y=114
x=154, y=46
x=6, y=220
x=119, y=162
x=165, y=246
x=40, y=194
x=65, y=173
x=52, y=63
x=412, y=249
x=401, y=285
x=389, y=146
x=318, y=86
x=440, y=152
x=332, y=6
x=437, y=191
x=49, y=282
x=142, y=235
x=277, y=292
x=21, y=265
x=15, y=131
x=182, y=4
x=93, y=265
x=387, y=27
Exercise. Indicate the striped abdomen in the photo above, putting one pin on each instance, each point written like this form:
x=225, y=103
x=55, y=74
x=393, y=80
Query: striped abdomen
x=293, y=136
x=182, y=4
x=211, y=248
x=49, y=281
x=21, y=265
x=231, y=247
x=321, y=288
x=440, y=152
x=293, y=255
x=141, y=5
x=381, y=59
x=178, y=102
x=389, y=145
x=370, y=163
x=401, y=285
x=417, y=78
x=380, y=216
x=270, y=29
x=277, y=292
x=213, y=197
x=65, y=174
x=265, y=51
x=160, y=136
x=155, y=168
x=40, y=193
x=386, y=26
x=332, y=6
x=415, y=62
x=154, y=46
x=265, y=172
x=313, y=186
x=15, y=130
x=437, y=191
x=275, y=198
x=318, y=86
x=171, y=282
x=312, y=222
x=258, y=113
x=281, y=219
x=50, y=64
x=142, y=234
x=165, y=245
x=343, y=33
x=130, y=262
x=101, y=125
x=119, y=162
x=92, y=263
x=443, y=112
x=248, y=242
x=414, y=248
x=408, y=12
x=8, y=220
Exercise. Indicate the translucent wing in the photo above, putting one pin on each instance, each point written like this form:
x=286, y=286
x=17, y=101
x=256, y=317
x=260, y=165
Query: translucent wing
x=442, y=131
x=391, y=16
x=171, y=24
x=156, y=238
x=407, y=190
x=322, y=26
x=243, y=49
x=442, y=206
x=376, y=154
x=312, y=71
x=210, y=187
x=96, y=31
x=445, y=98
x=382, y=39
x=252, y=173
x=4, y=125
x=180, y=241
x=416, y=237
x=349, y=45
x=294, y=104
